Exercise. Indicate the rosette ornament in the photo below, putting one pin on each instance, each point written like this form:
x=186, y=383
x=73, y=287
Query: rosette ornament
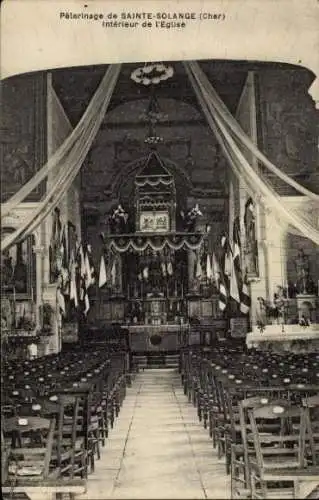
x=152, y=74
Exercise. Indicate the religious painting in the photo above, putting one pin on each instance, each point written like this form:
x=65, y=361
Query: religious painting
x=251, y=265
x=16, y=269
x=154, y=221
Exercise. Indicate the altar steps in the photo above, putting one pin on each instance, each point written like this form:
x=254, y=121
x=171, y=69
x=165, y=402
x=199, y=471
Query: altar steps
x=157, y=361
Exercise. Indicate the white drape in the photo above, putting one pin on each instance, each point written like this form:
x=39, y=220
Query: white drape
x=70, y=155
x=258, y=186
x=238, y=132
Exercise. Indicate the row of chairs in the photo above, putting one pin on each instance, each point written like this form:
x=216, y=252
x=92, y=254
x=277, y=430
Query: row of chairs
x=253, y=417
x=56, y=418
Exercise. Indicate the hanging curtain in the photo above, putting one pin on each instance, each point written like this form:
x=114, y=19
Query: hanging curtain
x=257, y=185
x=70, y=155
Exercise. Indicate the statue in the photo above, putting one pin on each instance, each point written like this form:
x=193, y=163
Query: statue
x=251, y=248
x=118, y=220
x=190, y=219
x=304, y=282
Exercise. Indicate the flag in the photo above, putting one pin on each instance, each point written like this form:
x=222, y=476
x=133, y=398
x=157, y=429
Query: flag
x=223, y=276
x=82, y=262
x=198, y=268
x=209, y=272
x=87, y=265
x=223, y=295
x=235, y=274
x=73, y=287
x=86, y=304
x=64, y=272
x=236, y=245
x=215, y=269
x=233, y=283
x=90, y=265
x=102, y=274
x=54, y=250
x=244, y=295
x=84, y=267
x=61, y=301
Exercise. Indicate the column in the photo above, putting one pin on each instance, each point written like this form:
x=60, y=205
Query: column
x=191, y=267
x=39, y=255
x=276, y=255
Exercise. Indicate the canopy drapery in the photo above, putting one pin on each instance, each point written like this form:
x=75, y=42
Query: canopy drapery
x=225, y=127
x=139, y=242
x=67, y=161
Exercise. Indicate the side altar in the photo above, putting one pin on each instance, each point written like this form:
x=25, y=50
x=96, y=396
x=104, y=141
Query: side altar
x=291, y=321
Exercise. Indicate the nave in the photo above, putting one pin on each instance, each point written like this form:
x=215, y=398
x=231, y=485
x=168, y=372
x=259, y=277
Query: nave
x=227, y=423
x=177, y=229
x=158, y=449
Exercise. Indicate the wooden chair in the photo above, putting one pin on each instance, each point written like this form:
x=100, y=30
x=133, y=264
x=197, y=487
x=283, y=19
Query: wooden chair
x=311, y=428
x=31, y=449
x=276, y=451
x=242, y=449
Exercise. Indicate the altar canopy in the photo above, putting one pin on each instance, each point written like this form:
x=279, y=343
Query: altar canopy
x=68, y=159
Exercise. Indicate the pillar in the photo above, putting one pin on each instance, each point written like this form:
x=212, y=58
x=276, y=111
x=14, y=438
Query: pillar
x=39, y=252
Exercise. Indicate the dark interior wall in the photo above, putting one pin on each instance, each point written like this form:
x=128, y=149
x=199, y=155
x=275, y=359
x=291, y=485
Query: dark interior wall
x=289, y=124
x=23, y=134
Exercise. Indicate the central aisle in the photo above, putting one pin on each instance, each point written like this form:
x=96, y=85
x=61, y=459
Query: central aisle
x=158, y=449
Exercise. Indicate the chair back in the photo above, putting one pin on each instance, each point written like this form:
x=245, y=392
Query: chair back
x=272, y=432
x=31, y=445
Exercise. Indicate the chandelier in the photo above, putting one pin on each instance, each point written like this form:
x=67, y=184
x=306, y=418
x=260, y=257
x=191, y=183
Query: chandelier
x=152, y=74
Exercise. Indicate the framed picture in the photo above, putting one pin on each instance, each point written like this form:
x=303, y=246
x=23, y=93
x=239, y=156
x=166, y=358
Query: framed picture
x=157, y=222
x=17, y=269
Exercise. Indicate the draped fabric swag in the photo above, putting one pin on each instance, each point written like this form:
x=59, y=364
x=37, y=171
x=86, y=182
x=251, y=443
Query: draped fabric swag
x=225, y=127
x=67, y=160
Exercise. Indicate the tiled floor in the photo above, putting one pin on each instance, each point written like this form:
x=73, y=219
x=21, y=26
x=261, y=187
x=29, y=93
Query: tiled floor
x=158, y=449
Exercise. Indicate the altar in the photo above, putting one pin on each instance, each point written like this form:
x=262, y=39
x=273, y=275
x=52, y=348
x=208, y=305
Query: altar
x=155, y=258
x=156, y=338
x=285, y=338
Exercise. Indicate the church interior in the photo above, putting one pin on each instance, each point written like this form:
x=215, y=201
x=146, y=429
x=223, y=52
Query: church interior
x=160, y=282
